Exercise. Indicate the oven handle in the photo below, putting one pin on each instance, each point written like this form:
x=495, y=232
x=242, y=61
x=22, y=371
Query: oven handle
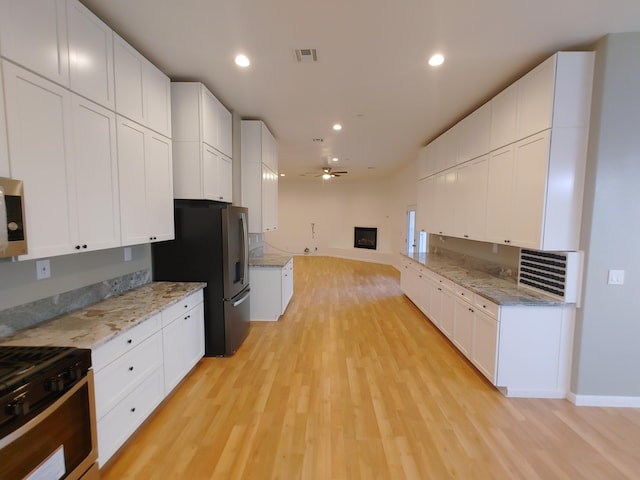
x=244, y=297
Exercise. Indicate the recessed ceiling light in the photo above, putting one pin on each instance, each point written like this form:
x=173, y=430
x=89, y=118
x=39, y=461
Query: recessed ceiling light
x=337, y=127
x=334, y=159
x=436, y=60
x=242, y=61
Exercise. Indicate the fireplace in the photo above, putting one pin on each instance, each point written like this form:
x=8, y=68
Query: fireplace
x=365, y=237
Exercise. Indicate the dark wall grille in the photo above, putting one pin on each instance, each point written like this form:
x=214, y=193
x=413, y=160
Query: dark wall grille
x=544, y=271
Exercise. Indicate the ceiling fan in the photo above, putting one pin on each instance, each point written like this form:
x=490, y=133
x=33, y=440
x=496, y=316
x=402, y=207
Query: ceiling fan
x=327, y=173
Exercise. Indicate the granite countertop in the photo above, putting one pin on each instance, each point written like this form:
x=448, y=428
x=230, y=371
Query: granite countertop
x=498, y=290
x=94, y=325
x=269, y=260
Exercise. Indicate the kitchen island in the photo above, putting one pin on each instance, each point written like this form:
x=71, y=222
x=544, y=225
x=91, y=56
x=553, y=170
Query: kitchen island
x=271, y=276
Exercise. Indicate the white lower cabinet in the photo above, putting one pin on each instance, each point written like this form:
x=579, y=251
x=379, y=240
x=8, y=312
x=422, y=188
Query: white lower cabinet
x=118, y=425
x=135, y=370
x=524, y=350
x=183, y=339
x=271, y=291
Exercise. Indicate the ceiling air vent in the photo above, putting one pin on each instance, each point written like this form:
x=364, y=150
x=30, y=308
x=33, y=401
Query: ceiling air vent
x=306, y=55
x=554, y=273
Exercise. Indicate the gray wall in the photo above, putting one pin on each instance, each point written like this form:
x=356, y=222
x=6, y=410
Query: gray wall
x=607, y=346
x=18, y=284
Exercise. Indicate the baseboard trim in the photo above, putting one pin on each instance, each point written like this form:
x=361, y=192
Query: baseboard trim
x=603, y=401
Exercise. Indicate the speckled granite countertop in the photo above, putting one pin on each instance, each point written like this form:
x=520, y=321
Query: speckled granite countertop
x=269, y=260
x=94, y=325
x=495, y=289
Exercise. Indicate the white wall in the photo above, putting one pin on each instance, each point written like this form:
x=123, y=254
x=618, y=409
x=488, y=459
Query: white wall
x=334, y=207
x=18, y=283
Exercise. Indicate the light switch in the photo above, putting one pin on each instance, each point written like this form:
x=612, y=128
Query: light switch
x=616, y=277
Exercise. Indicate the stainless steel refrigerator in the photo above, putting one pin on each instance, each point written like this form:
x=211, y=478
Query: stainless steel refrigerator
x=211, y=246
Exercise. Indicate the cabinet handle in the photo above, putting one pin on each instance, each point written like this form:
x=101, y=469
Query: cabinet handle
x=466, y=236
x=77, y=247
x=129, y=341
x=84, y=246
x=131, y=368
x=133, y=409
x=471, y=310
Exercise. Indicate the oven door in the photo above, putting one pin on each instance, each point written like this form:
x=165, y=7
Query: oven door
x=58, y=443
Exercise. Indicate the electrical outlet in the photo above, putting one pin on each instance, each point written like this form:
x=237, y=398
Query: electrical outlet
x=616, y=277
x=43, y=269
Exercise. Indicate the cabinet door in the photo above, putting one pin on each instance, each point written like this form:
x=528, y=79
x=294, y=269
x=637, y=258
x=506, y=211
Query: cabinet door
x=173, y=341
x=90, y=55
x=500, y=195
x=485, y=344
x=445, y=184
x=225, y=178
x=424, y=208
x=40, y=150
x=209, y=118
x=33, y=33
x=96, y=176
x=447, y=312
x=225, y=130
x=210, y=183
x=470, y=207
x=159, y=187
x=503, y=117
x=463, y=327
x=287, y=284
x=530, y=178
x=535, y=99
x=128, y=74
x=131, y=175
x=269, y=199
x=157, y=100
x=194, y=337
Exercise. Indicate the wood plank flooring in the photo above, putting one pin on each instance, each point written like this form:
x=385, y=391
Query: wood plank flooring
x=354, y=382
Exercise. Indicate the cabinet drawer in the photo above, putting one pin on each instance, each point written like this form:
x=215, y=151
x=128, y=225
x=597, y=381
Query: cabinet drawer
x=443, y=282
x=465, y=294
x=116, y=427
x=486, y=306
x=184, y=305
x=125, y=341
x=121, y=376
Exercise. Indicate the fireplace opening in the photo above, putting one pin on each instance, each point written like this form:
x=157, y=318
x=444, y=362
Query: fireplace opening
x=365, y=237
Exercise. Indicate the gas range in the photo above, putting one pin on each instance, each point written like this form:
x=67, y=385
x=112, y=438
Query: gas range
x=31, y=378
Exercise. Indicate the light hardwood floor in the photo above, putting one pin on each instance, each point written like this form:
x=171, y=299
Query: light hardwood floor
x=354, y=382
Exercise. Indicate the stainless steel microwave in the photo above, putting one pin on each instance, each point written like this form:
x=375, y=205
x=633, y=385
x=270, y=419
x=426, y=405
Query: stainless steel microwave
x=13, y=235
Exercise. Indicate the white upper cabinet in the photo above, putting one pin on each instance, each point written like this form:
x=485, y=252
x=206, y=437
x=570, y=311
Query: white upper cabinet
x=143, y=92
x=474, y=134
x=425, y=161
x=146, y=184
x=217, y=123
x=259, y=178
x=503, y=117
x=39, y=123
x=471, y=199
x=90, y=55
x=33, y=33
x=202, y=168
x=96, y=176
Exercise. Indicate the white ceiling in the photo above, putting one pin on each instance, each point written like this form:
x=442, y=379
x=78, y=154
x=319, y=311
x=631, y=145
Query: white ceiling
x=371, y=75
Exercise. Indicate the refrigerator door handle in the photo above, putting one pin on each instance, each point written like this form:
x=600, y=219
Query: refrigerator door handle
x=239, y=301
x=245, y=249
